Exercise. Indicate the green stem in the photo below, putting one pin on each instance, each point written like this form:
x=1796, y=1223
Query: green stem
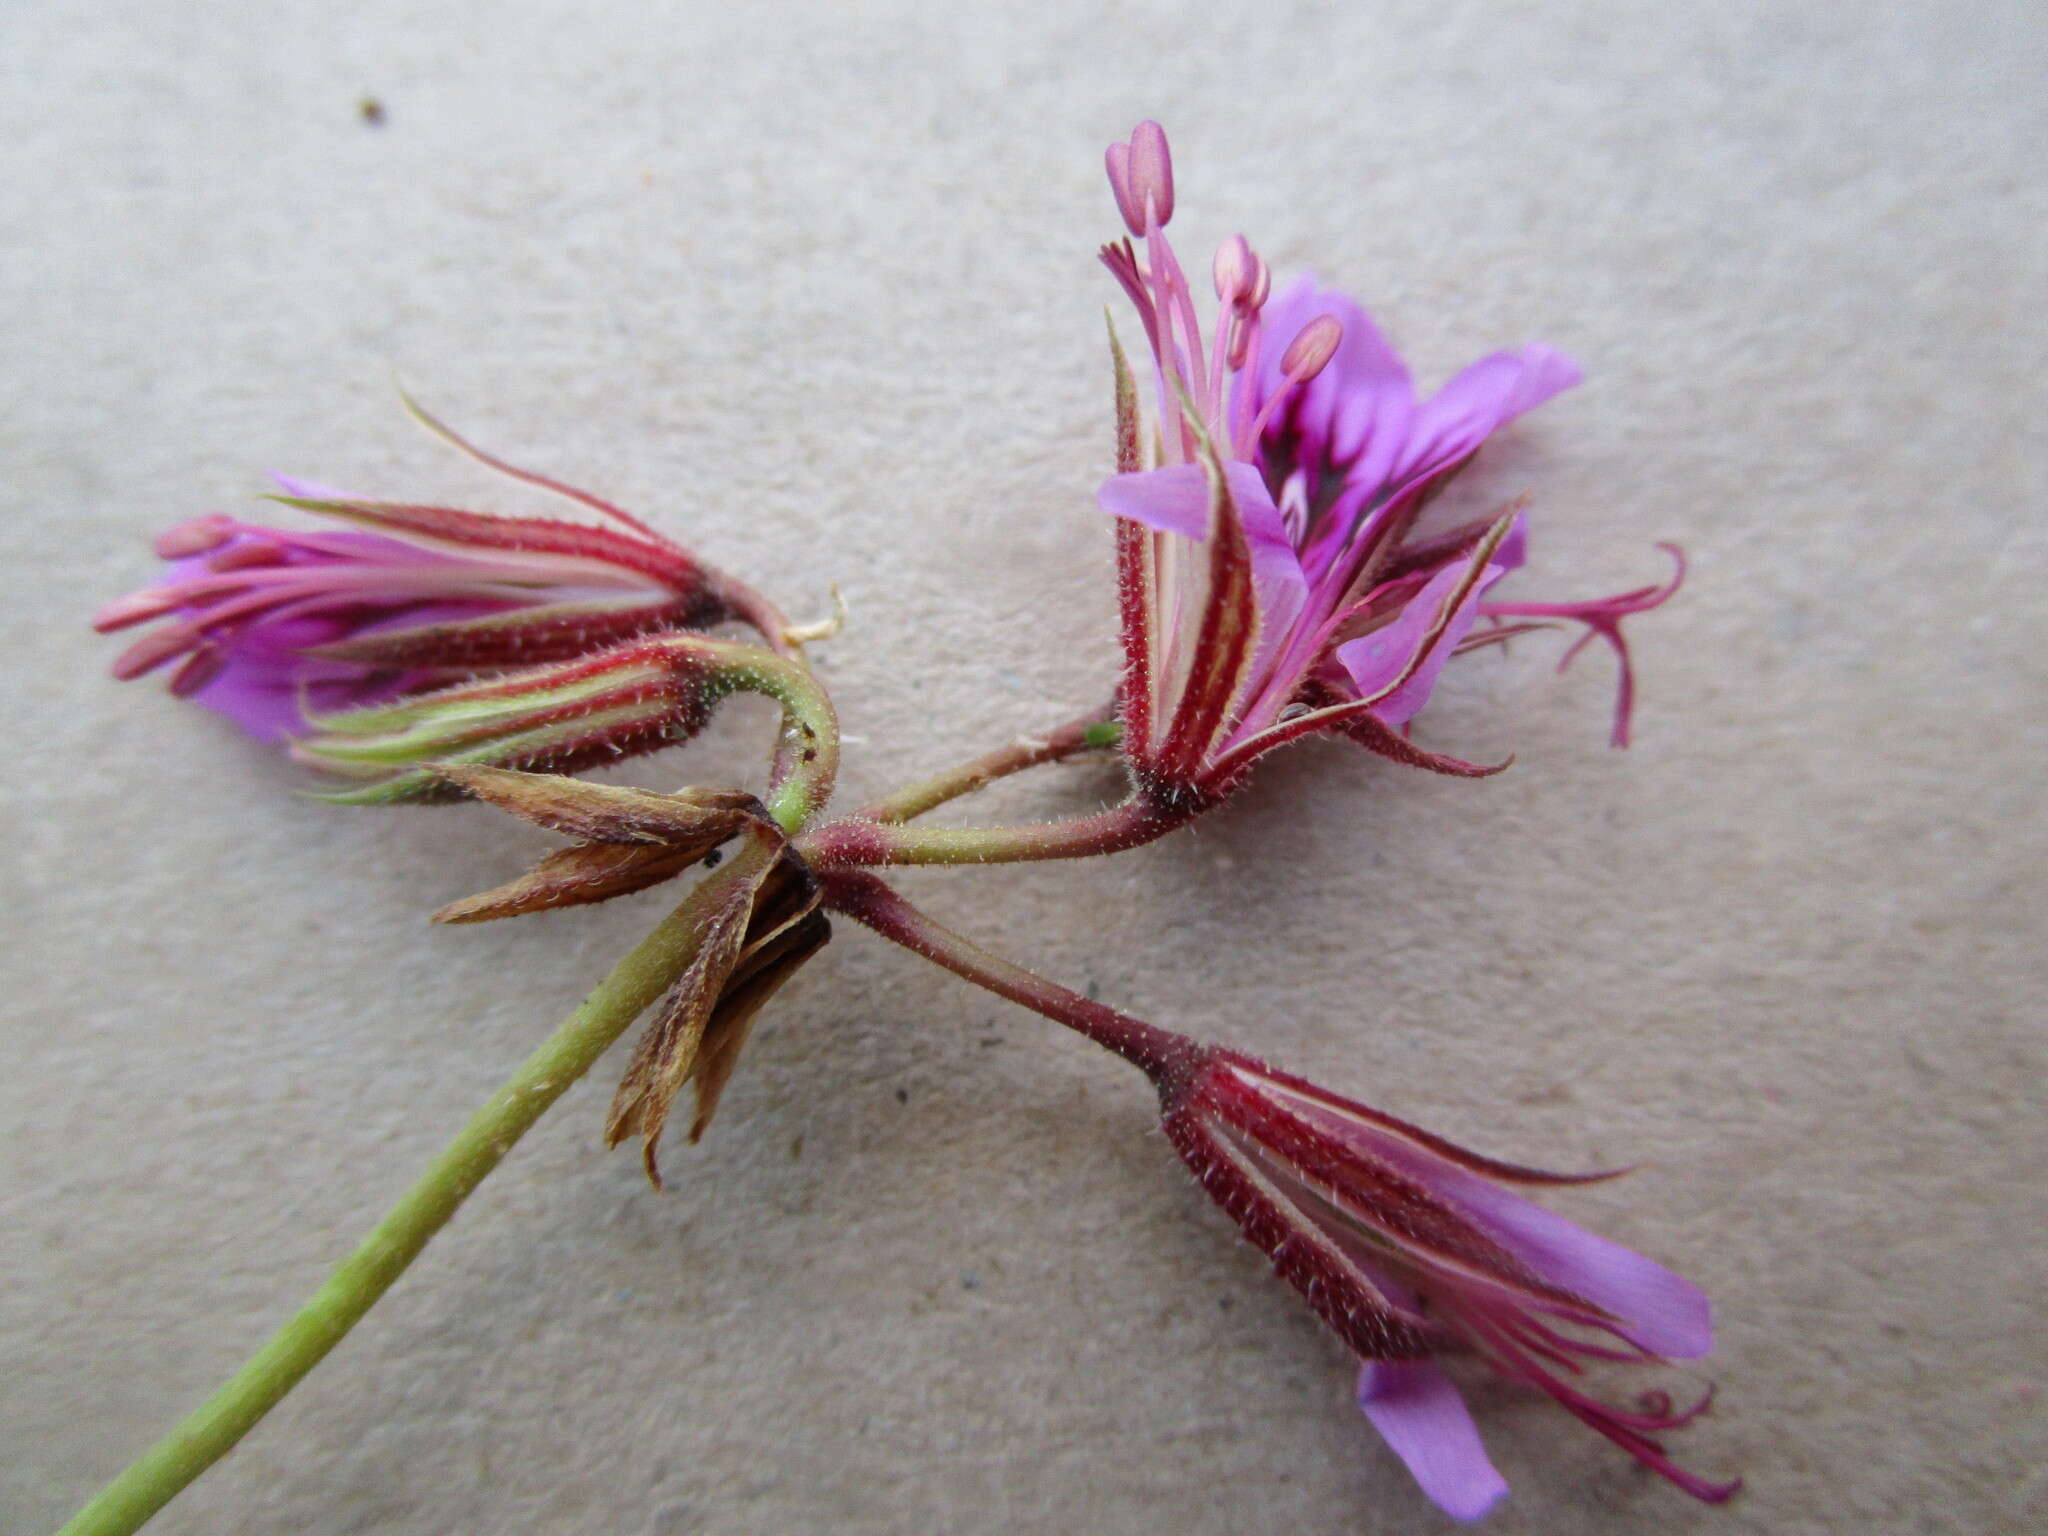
x=1089, y=733
x=807, y=755
x=156, y=1477
x=855, y=842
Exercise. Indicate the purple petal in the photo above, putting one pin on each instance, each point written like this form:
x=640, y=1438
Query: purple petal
x=1176, y=500
x=1513, y=552
x=1375, y=660
x=1480, y=401
x=1546, y=372
x=1654, y=1308
x=1358, y=410
x=263, y=691
x=265, y=706
x=1170, y=500
x=1419, y=1413
x=1659, y=1311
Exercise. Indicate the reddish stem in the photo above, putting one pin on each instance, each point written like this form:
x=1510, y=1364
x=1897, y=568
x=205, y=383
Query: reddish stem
x=1160, y=1054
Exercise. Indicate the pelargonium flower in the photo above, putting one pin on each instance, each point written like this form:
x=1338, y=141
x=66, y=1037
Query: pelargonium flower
x=1410, y=1248
x=274, y=626
x=1271, y=576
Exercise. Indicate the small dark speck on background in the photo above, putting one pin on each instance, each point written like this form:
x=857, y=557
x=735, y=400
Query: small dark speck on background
x=371, y=111
x=902, y=1095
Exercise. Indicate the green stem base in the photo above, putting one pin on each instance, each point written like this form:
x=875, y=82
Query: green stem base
x=211, y=1431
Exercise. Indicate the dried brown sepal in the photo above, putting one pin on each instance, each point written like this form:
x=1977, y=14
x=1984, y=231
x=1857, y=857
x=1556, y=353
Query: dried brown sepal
x=758, y=925
x=768, y=961
x=574, y=877
x=631, y=838
x=667, y=1054
x=606, y=813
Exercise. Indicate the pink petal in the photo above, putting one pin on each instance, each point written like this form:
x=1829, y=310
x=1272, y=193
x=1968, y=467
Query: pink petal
x=1419, y=1413
x=1480, y=401
x=1375, y=660
x=1662, y=1312
x=1176, y=500
x=1357, y=411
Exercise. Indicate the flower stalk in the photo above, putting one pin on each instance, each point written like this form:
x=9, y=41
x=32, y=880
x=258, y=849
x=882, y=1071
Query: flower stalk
x=361, y=1279
x=1408, y=1246
x=1091, y=733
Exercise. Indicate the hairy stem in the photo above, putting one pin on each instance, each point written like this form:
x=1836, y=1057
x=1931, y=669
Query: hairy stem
x=855, y=842
x=866, y=899
x=1089, y=733
x=356, y=1284
x=807, y=754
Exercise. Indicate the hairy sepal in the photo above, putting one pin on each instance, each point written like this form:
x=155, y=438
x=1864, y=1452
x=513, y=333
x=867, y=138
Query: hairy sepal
x=608, y=813
x=631, y=838
x=1136, y=573
x=760, y=923
x=633, y=698
x=458, y=531
x=1220, y=657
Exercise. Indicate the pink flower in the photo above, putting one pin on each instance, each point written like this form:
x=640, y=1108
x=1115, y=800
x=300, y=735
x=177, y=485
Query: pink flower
x=275, y=626
x=1271, y=577
x=1410, y=1248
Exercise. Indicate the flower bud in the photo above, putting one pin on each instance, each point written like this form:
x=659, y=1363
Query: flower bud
x=295, y=622
x=629, y=699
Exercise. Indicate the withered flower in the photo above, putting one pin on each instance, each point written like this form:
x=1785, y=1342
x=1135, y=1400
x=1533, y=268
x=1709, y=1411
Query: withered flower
x=757, y=919
x=761, y=923
x=628, y=839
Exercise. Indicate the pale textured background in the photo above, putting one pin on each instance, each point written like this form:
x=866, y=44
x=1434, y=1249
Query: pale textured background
x=815, y=289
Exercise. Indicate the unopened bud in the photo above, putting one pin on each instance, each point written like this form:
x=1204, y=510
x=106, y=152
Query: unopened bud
x=629, y=699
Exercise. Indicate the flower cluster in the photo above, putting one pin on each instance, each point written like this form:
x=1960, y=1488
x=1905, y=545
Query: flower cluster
x=1277, y=577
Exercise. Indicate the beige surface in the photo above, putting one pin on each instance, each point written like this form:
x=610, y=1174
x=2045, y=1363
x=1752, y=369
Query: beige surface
x=816, y=292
